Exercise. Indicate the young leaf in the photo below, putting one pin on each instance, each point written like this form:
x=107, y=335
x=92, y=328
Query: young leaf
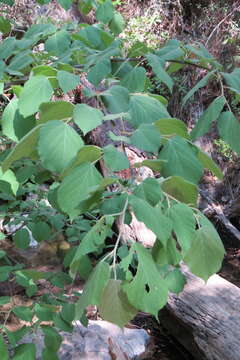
x=156, y=65
x=92, y=292
x=115, y=159
x=181, y=189
x=36, y=90
x=172, y=126
x=206, y=253
x=58, y=145
x=154, y=165
x=181, y=160
x=148, y=283
x=210, y=115
x=87, y=117
x=229, y=130
x=146, y=138
x=5, y=25
x=57, y=110
x=145, y=109
x=152, y=218
x=77, y=186
x=67, y=81
x=203, y=82
x=23, y=149
x=114, y=305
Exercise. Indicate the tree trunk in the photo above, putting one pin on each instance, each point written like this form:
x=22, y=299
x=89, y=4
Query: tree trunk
x=205, y=318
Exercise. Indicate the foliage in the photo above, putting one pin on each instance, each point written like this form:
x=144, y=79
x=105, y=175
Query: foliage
x=49, y=158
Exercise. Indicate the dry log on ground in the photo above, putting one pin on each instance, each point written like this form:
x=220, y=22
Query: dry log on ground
x=205, y=318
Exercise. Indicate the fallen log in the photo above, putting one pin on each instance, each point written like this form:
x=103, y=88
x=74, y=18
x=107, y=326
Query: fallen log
x=205, y=318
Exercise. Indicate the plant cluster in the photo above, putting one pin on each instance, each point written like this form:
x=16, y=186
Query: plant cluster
x=49, y=159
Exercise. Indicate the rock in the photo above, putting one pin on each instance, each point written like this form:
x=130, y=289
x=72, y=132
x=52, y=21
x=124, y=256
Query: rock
x=99, y=341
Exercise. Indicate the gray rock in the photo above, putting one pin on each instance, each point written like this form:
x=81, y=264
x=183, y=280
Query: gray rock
x=92, y=343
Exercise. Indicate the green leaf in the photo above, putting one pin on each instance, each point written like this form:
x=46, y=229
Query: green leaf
x=66, y=4
x=145, y=109
x=87, y=117
x=229, y=130
x=3, y=349
x=181, y=190
x=14, y=125
x=181, y=160
x=146, y=138
x=184, y=222
x=77, y=186
x=203, y=82
x=154, y=165
x=61, y=324
x=116, y=99
x=175, y=281
x=156, y=65
x=36, y=90
x=21, y=239
x=7, y=47
x=68, y=312
x=117, y=24
x=206, y=253
x=58, y=145
x=45, y=312
x=233, y=79
x=48, y=354
x=172, y=126
x=210, y=115
x=23, y=313
x=57, y=110
x=23, y=149
x=114, y=305
x=115, y=159
x=105, y=12
x=52, y=339
x=209, y=164
x=91, y=241
x=8, y=182
x=4, y=300
x=67, y=81
x=99, y=72
x=147, y=291
x=114, y=205
x=25, y=352
x=135, y=80
x=166, y=255
x=88, y=153
x=5, y=25
x=19, y=62
x=92, y=292
x=40, y=230
x=152, y=218
x=149, y=190
x=58, y=43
